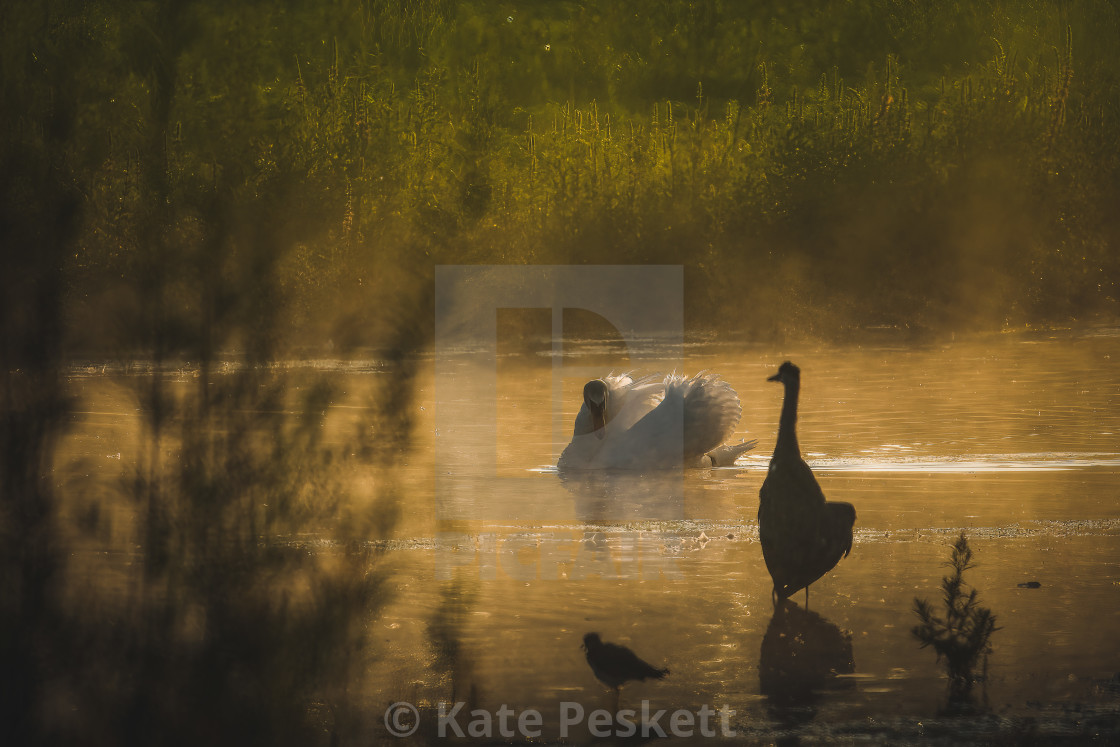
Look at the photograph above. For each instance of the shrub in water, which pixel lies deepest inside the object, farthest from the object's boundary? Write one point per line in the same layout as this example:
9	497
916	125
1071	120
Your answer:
961	637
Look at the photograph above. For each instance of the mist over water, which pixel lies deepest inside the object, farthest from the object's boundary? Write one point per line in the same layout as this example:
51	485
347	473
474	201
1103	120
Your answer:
1012	440
1015	441
250	493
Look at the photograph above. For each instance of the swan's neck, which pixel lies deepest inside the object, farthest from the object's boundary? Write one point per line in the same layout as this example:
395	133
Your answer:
787	426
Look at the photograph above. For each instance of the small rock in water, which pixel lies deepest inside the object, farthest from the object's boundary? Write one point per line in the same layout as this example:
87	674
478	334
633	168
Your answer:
1030	585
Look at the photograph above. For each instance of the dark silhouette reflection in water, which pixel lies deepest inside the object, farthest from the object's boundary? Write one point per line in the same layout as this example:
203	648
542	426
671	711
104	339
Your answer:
802	654
445	635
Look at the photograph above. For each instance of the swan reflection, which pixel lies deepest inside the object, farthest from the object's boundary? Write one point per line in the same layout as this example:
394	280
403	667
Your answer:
616	495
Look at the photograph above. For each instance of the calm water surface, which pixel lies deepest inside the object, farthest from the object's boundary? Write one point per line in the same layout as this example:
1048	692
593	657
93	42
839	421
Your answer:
1016	441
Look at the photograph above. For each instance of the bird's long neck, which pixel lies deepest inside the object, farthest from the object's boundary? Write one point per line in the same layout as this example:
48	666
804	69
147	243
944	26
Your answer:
787	427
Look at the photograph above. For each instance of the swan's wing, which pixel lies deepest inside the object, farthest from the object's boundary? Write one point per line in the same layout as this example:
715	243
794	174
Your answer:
630	400
695	416
657	421
711	411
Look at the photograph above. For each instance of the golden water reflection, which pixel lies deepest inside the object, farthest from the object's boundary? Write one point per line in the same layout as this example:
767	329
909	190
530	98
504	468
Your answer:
1016	441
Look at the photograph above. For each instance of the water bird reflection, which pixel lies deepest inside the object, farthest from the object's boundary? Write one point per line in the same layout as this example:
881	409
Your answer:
655	422
803	536
802	655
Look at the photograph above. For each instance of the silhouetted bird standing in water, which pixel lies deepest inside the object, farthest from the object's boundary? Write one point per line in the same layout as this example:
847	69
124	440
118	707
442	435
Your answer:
616	665
803	535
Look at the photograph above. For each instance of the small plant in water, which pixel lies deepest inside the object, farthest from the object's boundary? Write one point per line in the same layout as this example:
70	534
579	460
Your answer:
962	636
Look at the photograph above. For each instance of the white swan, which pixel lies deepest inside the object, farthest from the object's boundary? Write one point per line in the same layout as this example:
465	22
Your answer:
655	422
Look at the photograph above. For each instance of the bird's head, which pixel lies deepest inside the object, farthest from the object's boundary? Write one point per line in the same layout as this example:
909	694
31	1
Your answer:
595	398
591	641
787	374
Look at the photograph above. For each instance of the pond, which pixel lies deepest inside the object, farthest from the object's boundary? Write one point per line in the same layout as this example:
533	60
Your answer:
1012	439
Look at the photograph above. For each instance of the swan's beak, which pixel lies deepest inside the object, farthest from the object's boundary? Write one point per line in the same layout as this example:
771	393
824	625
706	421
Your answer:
776	377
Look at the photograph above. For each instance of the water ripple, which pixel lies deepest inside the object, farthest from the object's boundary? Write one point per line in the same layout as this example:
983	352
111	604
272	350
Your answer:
970	463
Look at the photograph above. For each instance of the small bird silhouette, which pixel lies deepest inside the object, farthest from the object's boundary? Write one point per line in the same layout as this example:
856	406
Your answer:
616	665
803	535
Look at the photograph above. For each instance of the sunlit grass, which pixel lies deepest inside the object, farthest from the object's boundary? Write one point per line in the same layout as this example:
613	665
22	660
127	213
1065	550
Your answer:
971	194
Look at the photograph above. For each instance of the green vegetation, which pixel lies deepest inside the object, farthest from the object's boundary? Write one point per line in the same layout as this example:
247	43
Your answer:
180	604
185	180
816	167
962	638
